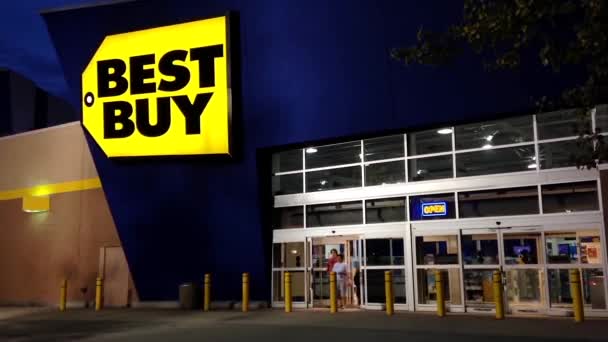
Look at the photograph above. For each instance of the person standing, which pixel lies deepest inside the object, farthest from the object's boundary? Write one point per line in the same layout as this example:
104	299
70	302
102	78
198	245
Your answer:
342	279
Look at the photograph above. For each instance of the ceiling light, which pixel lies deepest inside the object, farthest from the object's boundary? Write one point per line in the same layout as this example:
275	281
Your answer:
419	172
487	146
311	150
532	166
489	137
323	182
294	251
445	131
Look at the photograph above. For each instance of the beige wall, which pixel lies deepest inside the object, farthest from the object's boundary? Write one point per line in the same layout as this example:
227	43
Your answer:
39	250
53	155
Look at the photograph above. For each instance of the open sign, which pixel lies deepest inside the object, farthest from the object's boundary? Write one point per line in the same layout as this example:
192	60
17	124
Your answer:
434	209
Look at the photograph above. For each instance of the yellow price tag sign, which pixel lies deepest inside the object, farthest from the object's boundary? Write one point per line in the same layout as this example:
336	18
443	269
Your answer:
161	91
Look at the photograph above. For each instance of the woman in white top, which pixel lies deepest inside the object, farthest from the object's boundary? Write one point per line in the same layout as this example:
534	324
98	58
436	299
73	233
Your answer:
341	277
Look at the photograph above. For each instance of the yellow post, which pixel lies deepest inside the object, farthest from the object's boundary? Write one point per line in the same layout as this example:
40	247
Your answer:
207	293
498	299
245	304
577	297
99	294
440	296
63	295
333	298
388	290
288	299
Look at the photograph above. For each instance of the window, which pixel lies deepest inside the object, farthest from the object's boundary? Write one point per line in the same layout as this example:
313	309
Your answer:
385	210
592	287
561	248
521	248
384	252
426	142
601	118
384	148
559	124
437	250
432	207
429	168
338	154
385	173
478	287
570	197
333	179
493	161
494	133
289	217
590	247
480	249
288	255
502	202
523	286
287	161
376	290
557	154
334	214
287	184
427	289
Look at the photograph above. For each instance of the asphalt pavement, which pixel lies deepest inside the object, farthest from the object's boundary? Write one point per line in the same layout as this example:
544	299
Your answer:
273	325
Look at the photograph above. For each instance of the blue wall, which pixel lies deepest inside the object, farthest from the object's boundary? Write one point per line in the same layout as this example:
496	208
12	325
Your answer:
311	70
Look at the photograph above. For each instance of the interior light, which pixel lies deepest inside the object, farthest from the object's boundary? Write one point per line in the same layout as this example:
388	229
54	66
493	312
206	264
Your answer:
489	137
534	158
294	251
487	146
445	131
311	150
419	172
323	182
532	166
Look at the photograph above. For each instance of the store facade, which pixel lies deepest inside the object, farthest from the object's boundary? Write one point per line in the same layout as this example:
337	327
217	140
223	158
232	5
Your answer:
467	200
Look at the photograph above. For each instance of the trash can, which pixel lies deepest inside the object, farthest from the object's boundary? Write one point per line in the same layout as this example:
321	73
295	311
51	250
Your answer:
189	296
596	285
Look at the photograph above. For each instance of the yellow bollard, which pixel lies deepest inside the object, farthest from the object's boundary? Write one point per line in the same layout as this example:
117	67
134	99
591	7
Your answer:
288	299
333	298
498	295
207	293
440	295
388	290
245	304
99	294
63	295
577	297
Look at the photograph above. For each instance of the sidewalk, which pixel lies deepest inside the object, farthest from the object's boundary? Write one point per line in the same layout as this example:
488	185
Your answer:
175	326
12	312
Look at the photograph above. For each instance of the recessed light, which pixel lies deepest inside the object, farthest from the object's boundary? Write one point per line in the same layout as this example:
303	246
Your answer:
532	166
487	146
311	150
489	137
445	131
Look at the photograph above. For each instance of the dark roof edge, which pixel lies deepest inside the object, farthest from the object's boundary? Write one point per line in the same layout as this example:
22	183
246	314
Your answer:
94	3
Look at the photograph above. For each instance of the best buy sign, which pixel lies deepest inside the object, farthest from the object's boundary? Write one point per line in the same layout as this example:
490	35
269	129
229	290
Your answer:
161	91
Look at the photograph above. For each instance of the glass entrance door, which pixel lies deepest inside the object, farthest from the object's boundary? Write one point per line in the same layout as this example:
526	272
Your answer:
480	258
518	254
523	266
323	253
